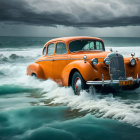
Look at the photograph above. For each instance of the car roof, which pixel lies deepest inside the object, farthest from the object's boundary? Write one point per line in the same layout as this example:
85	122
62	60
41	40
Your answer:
67	39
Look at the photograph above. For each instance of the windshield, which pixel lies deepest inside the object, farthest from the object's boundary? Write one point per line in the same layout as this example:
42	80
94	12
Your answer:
81	45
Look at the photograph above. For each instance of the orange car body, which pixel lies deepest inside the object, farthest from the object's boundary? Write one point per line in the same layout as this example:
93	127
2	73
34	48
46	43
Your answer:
60	67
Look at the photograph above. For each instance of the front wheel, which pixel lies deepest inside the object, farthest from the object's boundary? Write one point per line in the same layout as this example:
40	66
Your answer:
78	83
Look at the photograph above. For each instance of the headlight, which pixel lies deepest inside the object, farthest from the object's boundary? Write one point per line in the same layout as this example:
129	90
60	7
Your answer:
94	61
107	61
133	62
84	57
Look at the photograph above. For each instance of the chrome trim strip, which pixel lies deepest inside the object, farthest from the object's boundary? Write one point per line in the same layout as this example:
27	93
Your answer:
44	60
107	82
48	57
64	59
111	82
61	59
101	57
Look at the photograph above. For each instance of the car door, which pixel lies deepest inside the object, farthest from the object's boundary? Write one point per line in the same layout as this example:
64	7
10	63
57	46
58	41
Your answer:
60	61
48	61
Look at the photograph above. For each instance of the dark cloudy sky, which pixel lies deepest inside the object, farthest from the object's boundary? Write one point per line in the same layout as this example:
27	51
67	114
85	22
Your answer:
70	17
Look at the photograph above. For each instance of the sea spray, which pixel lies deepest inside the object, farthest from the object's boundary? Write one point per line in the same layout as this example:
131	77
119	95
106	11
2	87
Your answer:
31	108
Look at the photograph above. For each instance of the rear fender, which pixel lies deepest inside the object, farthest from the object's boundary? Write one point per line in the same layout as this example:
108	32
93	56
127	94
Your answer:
36	69
85	68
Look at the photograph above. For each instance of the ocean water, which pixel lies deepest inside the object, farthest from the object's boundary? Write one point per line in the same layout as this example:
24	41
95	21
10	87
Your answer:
35	109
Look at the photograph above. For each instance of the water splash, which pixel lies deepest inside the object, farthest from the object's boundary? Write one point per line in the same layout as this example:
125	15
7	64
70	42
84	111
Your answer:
119	107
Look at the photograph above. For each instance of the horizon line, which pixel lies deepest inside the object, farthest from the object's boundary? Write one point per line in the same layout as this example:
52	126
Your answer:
72	35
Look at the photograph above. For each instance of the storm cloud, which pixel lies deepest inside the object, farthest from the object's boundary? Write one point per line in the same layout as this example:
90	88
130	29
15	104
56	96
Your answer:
76	13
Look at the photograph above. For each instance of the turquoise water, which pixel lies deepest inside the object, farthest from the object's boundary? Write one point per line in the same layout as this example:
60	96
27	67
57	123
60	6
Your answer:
35	109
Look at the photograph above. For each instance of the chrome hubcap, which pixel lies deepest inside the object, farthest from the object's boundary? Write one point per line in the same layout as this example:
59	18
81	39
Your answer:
78	85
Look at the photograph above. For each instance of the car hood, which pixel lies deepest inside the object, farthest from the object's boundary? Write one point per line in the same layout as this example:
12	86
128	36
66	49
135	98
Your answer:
90	54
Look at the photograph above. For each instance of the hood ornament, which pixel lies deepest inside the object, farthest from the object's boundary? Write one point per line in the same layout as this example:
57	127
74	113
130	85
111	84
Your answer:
132	54
117	53
111	49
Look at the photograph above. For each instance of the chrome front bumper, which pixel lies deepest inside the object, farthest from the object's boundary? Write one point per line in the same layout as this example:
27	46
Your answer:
128	82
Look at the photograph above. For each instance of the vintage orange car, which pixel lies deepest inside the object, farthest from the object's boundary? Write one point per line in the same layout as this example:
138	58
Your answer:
82	62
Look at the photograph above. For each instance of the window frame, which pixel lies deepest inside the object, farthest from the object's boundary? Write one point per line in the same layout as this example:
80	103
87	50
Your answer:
47	49
86	50
43	51
56	48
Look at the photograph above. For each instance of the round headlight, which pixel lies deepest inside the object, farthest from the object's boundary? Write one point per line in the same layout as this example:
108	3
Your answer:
94	61
133	62
84	57
107	61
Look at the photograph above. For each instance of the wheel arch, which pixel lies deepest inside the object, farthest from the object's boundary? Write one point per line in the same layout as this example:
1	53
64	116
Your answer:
71	74
85	69
35	69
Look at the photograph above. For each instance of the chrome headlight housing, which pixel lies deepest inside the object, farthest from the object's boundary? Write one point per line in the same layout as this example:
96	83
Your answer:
84	57
133	62
107	61
94	61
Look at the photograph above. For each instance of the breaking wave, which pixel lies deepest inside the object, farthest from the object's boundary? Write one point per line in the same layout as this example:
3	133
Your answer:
16	56
124	107
13	58
104	106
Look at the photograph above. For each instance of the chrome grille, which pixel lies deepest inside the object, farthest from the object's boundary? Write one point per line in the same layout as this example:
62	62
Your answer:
117	69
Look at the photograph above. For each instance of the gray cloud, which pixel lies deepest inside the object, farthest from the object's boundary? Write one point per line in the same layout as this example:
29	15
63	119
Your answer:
77	13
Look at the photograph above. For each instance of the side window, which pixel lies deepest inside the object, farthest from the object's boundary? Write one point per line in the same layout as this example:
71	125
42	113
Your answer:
44	51
50	49
89	46
99	45
61	48
86	47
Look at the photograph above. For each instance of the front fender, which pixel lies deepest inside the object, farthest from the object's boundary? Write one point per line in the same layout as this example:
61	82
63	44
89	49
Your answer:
85	68
37	69
132	71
